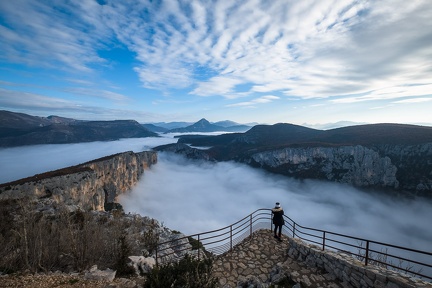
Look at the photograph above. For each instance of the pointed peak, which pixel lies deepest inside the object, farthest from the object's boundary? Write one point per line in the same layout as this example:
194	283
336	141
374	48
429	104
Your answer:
203	121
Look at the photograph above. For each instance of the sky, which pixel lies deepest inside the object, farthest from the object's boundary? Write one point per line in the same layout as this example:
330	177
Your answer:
247	61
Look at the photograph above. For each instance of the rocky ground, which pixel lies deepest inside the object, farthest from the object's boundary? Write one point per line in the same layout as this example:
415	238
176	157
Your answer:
51	280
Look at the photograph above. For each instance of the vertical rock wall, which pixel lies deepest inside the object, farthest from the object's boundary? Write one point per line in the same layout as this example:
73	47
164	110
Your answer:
355	165
90	185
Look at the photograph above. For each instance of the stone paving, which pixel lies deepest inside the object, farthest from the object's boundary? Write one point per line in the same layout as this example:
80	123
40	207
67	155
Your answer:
264	258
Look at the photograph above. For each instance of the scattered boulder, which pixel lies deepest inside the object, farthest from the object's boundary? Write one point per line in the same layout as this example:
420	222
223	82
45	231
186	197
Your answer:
141	264
95	274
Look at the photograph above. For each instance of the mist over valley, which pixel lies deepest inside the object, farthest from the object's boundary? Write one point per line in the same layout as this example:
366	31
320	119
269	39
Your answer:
194	196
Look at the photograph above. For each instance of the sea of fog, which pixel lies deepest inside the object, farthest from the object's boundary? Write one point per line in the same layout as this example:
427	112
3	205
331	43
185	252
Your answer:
194	196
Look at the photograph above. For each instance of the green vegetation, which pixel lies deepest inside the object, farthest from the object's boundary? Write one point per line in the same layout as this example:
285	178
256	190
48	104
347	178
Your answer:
188	272
67	241
195	243
73	281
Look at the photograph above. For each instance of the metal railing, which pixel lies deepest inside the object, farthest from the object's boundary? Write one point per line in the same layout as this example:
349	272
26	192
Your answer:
414	262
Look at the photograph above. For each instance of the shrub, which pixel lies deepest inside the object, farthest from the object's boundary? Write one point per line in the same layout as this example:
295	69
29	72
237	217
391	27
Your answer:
64	240
188	272
121	265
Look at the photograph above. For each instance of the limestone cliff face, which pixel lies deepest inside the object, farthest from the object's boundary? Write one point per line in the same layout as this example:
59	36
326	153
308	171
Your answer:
401	167
90	185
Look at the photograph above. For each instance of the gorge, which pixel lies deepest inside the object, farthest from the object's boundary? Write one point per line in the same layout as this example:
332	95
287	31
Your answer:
392	157
187	194
94	185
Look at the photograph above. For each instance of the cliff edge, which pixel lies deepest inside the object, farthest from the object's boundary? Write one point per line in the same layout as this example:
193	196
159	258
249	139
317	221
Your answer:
94	185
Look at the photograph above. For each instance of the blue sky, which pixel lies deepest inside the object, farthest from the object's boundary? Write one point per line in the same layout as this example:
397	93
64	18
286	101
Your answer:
247	61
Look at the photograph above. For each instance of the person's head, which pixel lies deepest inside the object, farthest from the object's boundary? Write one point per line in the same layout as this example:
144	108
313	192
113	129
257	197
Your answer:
277	205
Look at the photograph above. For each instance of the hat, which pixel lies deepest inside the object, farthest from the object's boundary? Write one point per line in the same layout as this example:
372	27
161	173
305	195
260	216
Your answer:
277	205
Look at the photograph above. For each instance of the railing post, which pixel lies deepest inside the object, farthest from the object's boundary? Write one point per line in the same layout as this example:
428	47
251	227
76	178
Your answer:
294	229
271	223
199	247
250	223
367	253
231	237
323	247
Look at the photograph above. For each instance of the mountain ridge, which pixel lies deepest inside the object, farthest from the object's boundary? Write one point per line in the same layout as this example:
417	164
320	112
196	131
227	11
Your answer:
396	157
203	125
291	134
19	129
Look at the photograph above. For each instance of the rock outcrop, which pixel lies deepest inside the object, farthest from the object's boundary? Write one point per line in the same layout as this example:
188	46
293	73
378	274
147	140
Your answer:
183	149
405	169
398	167
91	186
355	165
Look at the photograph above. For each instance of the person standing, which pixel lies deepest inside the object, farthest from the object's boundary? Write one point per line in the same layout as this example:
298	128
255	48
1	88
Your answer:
278	220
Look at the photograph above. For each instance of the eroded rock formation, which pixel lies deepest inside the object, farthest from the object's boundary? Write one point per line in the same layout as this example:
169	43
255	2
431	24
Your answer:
91	186
355	165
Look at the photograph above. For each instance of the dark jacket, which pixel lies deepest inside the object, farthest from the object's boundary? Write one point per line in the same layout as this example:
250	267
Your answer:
278	216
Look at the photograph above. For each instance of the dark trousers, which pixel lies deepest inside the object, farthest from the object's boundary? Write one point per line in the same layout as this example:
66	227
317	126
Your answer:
277	227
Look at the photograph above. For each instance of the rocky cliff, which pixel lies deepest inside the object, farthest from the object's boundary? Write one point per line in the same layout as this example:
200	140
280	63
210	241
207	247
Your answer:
394	157
92	186
406	168
356	165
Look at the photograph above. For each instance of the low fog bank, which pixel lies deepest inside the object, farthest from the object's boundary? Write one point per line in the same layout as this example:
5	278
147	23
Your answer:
193	196
25	161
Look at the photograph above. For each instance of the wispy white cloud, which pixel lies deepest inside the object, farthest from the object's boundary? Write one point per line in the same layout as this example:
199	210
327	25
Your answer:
252	103
390	93
413	100
25	100
41	105
217	86
98	93
304	49
50	34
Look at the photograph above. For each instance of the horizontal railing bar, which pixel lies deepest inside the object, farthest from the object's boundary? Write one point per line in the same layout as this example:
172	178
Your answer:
304	233
240	225
344	251
173	240
260	219
237	232
362	239
400	258
215	236
311	241
226	238
344	243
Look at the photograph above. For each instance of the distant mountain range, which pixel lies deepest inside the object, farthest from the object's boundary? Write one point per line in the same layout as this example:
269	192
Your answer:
385	156
390	156
338	124
202	125
282	134
18	129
